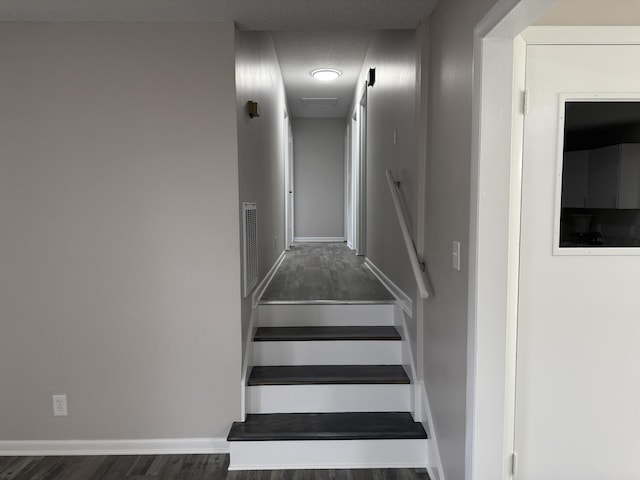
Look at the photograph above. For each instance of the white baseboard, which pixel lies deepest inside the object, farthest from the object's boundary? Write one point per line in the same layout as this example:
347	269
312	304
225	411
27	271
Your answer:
262	286
247	361
423	404
163	446
318	239
403	299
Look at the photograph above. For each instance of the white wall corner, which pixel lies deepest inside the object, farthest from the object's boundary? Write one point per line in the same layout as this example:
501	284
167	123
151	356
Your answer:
164	446
402	298
264	283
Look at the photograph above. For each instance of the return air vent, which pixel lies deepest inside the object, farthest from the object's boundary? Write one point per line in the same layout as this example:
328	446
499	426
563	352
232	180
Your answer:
250	239
319	102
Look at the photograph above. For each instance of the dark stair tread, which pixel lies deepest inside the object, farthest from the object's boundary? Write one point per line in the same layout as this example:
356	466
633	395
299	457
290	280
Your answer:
327	426
327	374
283	334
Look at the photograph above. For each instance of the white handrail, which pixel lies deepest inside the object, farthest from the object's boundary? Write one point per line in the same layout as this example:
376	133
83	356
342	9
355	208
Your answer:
408	242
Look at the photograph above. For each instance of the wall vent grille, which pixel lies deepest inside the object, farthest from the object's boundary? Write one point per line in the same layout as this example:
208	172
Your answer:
250	239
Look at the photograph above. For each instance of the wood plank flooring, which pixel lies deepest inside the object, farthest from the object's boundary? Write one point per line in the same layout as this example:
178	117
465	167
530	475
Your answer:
324	271
173	467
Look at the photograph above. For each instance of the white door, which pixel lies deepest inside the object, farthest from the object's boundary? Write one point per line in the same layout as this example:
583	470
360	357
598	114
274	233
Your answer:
578	352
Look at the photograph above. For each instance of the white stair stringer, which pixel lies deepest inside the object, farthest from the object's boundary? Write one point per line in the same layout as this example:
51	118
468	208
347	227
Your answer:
328	352
329	398
330	454
323	315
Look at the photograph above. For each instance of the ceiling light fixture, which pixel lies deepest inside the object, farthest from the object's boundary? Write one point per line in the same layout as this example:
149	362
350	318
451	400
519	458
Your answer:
326	74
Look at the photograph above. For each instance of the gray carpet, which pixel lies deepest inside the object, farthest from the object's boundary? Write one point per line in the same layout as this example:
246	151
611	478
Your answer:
324	271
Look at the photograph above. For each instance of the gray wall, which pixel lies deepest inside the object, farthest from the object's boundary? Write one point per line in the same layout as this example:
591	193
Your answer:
449	133
260	146
319	146
120	281
391	106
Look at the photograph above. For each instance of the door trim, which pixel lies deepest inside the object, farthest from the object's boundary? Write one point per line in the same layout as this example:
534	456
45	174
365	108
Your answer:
492	326
498	65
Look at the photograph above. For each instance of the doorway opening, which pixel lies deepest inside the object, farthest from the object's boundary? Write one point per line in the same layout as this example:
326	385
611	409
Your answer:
288	180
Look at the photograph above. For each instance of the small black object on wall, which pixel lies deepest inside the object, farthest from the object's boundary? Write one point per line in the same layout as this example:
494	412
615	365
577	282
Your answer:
253	108
371	79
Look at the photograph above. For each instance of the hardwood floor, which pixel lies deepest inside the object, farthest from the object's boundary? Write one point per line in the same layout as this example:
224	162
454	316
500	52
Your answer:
169	467
324	271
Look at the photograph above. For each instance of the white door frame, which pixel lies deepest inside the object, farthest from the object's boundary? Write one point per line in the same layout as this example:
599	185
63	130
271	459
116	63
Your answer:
348	186
499	56
499	62
361	160
355	155
287	146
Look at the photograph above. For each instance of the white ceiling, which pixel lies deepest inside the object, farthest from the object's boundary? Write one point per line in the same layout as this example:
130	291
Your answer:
593	12
308	34
301	52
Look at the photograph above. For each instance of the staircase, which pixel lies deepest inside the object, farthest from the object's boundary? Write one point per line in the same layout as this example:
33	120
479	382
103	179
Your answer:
327	388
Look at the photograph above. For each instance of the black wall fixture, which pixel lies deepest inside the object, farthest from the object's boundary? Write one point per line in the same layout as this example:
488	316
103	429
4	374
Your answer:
371	79
253	108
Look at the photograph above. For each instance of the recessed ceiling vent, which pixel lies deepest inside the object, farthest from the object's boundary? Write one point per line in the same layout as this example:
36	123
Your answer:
320	102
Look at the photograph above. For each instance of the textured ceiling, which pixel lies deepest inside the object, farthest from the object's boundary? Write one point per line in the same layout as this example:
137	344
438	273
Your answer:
301	52
308	34
248	14
593	12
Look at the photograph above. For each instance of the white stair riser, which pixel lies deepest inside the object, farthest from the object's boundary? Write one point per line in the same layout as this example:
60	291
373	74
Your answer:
322	454
328	398
325	315
328	353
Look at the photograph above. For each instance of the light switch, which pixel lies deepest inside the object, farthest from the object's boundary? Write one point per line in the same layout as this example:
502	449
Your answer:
456	256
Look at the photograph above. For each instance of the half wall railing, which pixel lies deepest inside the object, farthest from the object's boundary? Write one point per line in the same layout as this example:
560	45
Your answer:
417	267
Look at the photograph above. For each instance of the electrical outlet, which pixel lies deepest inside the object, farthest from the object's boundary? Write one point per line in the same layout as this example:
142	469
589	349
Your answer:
60	405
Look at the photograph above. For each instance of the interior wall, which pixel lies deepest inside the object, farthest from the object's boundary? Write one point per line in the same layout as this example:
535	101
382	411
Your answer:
450	87
120	282
391	113
318	153
261	147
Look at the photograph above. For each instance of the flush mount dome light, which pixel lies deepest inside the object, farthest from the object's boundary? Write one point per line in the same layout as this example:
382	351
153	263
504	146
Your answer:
326	74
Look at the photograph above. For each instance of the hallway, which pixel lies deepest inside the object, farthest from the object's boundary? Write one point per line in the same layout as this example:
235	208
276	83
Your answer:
324	272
